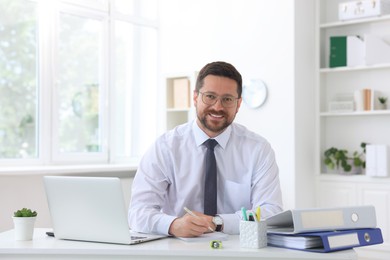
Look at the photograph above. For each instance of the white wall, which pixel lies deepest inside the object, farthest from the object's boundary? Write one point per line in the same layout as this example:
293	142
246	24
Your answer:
258	37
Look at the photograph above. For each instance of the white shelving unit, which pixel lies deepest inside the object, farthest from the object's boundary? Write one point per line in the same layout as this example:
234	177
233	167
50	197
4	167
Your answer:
179	115
348	130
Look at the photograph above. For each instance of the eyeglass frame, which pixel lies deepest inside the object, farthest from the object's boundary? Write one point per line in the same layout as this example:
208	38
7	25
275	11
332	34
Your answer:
220	98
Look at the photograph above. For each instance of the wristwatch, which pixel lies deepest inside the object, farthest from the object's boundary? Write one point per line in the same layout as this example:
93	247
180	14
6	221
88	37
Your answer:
218	222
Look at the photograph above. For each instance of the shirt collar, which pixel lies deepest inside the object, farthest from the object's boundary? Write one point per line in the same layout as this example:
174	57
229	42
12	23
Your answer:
201	137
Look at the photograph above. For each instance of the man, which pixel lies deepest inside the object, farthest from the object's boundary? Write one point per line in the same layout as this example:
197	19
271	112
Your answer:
174	172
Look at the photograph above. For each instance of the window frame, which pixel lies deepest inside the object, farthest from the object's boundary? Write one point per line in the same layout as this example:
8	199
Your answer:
47	106
91	157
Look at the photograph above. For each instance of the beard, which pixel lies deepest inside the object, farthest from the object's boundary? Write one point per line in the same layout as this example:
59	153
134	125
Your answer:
208	124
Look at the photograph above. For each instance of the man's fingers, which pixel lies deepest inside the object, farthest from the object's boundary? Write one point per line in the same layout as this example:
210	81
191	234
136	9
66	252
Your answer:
202	220
188	226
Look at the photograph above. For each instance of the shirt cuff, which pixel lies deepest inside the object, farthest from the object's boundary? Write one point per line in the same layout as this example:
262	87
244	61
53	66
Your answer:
231	223
164	223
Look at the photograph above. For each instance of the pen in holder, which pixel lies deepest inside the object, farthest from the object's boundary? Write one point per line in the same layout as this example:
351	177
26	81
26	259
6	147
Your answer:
253	234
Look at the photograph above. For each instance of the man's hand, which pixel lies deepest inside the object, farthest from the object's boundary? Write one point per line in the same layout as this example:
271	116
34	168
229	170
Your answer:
190	226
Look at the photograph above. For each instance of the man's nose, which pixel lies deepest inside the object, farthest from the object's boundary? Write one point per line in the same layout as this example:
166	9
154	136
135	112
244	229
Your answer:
218	105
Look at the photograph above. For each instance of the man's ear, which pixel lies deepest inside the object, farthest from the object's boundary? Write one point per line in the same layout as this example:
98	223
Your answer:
195	97
238	104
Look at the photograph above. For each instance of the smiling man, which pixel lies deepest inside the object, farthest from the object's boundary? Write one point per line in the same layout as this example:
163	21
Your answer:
210	165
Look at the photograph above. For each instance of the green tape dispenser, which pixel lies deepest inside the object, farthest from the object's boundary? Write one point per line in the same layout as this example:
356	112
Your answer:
216	244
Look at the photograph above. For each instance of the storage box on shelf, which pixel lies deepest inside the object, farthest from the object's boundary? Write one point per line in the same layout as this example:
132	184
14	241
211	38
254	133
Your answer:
363	8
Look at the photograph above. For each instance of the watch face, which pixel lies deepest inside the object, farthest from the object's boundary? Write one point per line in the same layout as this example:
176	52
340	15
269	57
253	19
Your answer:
217	220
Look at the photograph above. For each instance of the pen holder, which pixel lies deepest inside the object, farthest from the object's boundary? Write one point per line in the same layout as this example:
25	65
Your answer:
253	234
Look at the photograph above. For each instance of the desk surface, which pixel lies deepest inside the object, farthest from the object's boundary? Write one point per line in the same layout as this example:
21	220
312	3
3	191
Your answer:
44	247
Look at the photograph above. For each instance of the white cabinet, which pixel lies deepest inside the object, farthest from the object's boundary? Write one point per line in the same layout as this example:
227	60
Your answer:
340	191
328	190
179	94
348	129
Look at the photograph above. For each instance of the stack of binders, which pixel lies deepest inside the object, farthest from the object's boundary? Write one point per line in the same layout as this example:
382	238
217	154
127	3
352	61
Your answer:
358	50
324	229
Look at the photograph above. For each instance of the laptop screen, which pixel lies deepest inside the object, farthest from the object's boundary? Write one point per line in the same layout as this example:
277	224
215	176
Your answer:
89	209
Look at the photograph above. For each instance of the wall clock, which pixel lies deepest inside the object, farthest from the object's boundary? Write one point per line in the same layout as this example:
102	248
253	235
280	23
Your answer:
254	93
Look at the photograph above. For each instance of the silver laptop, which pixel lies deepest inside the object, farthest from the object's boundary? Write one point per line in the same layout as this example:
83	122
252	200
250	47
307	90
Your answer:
90	209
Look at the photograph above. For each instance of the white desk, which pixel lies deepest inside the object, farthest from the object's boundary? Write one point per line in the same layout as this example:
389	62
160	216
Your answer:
44	247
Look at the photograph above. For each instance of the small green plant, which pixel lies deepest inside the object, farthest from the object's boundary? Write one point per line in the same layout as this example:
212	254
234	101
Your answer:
334	158
24	212
382	100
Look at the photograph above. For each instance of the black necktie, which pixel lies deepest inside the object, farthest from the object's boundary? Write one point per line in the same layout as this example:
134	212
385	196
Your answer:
210	187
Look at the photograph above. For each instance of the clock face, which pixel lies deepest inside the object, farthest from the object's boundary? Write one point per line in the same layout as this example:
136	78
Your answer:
254	93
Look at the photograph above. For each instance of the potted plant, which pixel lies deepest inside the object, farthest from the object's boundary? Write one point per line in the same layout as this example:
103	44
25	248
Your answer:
24	220
340	160
382	102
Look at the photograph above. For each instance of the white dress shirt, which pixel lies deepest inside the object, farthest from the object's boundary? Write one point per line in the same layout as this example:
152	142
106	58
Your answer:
171	176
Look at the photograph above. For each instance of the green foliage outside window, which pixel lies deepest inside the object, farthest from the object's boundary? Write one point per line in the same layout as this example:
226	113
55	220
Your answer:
18	79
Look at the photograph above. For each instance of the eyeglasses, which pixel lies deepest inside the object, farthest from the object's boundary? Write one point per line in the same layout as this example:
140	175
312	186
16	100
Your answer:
227	101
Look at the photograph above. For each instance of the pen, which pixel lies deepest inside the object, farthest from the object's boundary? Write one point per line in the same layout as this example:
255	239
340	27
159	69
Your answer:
243	210
193	214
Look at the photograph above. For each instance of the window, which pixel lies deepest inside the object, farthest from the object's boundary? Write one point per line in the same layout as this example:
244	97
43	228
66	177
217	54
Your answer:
18	80
77	80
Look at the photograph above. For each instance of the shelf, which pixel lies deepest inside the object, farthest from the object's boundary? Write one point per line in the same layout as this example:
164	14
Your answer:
353	22
357	68
355	113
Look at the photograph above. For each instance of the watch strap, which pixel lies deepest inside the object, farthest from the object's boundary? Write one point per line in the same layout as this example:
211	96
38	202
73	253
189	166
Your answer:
218	228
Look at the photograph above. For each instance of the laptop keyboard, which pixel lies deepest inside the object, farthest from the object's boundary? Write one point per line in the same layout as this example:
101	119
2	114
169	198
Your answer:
137	237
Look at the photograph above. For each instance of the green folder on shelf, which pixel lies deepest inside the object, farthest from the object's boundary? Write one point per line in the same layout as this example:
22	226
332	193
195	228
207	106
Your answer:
338	51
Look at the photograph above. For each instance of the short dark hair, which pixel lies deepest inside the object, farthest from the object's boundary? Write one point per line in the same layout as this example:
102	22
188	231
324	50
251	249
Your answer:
219	68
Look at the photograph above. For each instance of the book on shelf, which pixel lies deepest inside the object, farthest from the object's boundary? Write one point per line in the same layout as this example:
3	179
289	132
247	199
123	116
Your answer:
341	103
346	51
338	51
365	99
377	49
181	93
359	100
356	50
377	160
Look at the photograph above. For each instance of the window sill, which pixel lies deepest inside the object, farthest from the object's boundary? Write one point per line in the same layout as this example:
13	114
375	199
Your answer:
120	170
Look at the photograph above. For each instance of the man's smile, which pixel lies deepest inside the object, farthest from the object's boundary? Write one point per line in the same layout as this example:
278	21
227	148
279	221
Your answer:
216	115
